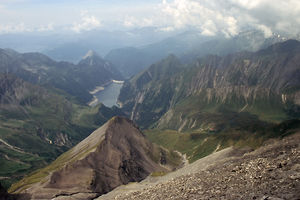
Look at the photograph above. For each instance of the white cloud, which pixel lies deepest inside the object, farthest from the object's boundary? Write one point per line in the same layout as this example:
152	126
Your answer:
230	16
209	28
48	27
247	4
210	17
131	22
14	28
204	15
270	15
167	29
22	27
87	22
266	30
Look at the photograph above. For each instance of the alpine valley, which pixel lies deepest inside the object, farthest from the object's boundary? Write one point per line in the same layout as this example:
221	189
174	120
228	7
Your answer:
42	112
199	117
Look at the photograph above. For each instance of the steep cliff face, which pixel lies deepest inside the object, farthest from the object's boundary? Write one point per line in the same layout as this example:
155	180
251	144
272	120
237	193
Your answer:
116	153
147	95
265	83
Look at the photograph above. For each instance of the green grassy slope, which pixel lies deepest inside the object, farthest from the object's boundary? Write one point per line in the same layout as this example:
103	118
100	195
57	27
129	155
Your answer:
198	144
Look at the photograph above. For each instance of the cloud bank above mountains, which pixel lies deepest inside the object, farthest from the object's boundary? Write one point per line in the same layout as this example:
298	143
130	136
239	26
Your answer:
230	16
210	17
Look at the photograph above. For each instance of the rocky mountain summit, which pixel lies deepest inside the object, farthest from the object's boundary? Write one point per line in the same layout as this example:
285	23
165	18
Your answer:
270	172
117	153
93	71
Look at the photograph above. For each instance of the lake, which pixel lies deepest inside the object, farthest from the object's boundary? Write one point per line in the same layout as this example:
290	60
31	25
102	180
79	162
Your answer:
109	95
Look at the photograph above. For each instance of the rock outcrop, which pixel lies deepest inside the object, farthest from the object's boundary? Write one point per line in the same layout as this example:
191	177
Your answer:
271	172
117	153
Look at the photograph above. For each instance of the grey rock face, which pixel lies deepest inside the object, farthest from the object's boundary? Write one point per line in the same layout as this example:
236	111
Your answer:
117	153
270	172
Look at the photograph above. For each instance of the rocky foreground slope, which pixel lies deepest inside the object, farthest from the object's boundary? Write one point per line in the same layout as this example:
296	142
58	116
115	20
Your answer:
270	172
117	153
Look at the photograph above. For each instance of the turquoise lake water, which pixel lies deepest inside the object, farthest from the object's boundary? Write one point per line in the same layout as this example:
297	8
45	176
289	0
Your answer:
109	95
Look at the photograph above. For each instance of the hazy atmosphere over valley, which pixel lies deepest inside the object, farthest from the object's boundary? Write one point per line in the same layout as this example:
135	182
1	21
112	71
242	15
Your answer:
158	99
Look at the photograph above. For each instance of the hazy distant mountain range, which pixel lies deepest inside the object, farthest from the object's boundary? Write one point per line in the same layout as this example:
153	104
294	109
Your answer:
71	47
187	46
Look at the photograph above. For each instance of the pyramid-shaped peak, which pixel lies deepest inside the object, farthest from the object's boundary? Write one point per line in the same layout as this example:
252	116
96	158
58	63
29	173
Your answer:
91	58
115	154
91	54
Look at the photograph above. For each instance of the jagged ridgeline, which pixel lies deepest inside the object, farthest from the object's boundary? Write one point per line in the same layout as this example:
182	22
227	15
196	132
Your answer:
187	46
117	153
238	100
214	92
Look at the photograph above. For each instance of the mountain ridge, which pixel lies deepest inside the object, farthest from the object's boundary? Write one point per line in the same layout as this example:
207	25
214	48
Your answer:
237	82
116	153
187	46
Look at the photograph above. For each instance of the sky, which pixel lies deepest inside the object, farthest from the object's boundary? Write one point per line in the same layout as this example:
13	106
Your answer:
210	17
